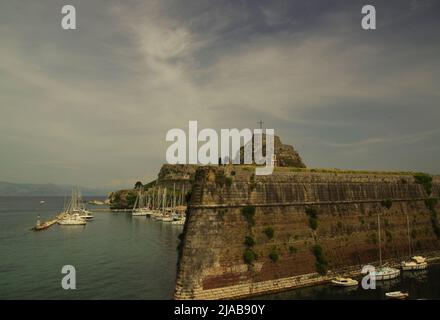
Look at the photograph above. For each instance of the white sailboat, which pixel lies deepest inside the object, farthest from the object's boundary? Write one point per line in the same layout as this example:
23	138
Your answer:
383	272
72	214
72	220
139	208
82	211
416	262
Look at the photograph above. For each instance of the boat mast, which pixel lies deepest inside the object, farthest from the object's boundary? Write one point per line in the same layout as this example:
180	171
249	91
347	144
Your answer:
380	246
164	202
409	235
174	195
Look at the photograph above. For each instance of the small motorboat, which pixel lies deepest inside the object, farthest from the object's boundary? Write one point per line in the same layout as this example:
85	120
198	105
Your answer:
140	212
397	295
344	282
179	222
416	263
385	273
167	219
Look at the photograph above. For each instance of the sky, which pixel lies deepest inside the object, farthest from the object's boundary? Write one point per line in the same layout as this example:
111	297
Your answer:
92	106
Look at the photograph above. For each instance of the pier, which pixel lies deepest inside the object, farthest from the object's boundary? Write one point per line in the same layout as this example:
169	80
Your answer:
47	224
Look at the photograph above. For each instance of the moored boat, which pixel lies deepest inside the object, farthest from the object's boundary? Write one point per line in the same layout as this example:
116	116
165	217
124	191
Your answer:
397	295
416	263
385	273
344	282
72	220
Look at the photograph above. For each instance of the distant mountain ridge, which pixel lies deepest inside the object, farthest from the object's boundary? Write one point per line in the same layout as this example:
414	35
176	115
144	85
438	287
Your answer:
48	189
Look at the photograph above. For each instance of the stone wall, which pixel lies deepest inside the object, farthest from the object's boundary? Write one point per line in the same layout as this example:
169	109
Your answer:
211	262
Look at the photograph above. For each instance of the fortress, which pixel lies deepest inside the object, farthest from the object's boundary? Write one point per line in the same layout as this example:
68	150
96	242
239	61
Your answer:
262	234
248	235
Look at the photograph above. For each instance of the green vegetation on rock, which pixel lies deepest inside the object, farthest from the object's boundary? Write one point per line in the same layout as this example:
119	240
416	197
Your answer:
131	199
249	256
430	204
321	261
273	255
386	203
249	241
248	212
269	232
313	217
293	250
425	180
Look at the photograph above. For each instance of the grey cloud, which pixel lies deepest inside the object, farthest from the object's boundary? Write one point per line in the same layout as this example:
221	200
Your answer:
93	106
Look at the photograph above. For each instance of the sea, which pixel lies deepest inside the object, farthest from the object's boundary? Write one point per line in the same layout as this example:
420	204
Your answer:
117	256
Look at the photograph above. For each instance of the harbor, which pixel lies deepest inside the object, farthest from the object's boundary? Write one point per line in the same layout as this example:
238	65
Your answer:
114	243
102	251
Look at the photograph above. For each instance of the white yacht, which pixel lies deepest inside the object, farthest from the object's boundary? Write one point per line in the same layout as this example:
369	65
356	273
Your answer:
416	262
140	207
383	272
86	215
72	220
75	212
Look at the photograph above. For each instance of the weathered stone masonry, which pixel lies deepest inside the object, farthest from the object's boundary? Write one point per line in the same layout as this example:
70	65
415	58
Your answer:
211	264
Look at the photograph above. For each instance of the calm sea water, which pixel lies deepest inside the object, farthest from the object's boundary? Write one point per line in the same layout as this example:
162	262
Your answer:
117	256
423	284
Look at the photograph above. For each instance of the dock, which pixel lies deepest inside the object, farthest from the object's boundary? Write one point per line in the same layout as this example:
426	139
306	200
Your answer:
47	224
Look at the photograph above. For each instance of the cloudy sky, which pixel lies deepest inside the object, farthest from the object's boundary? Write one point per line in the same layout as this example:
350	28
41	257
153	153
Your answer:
92	106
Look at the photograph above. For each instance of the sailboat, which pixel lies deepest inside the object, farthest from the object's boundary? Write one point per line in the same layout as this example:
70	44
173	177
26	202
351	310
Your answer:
72	213
139	208
416	262
81	208
383	272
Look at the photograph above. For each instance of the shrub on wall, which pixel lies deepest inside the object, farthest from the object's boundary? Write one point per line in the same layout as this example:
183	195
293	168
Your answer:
293	249
273	255
386	203
425	180
313	217
248	212
321	261
249	241
269	232
430	204
249	256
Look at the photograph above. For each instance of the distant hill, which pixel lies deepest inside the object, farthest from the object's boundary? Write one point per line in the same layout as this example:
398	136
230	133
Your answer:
49	189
